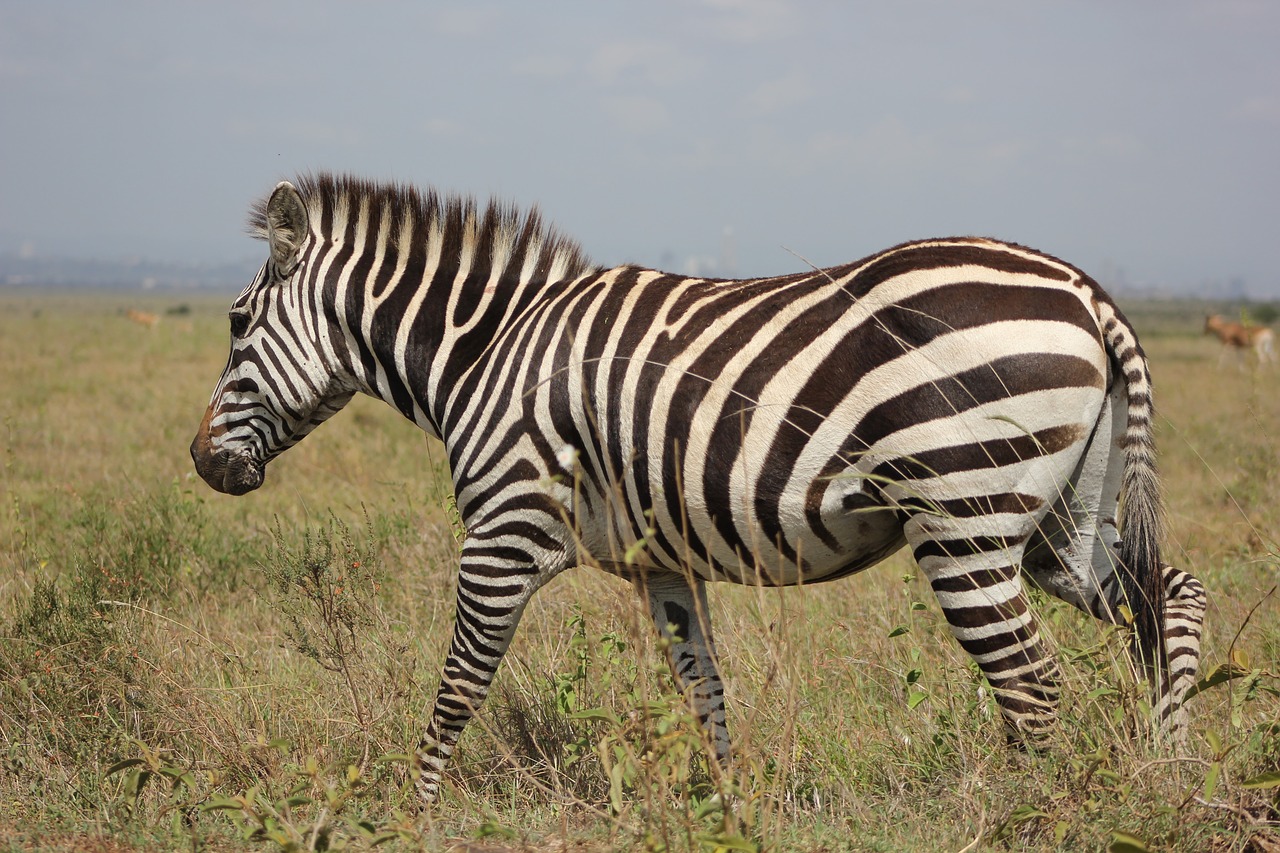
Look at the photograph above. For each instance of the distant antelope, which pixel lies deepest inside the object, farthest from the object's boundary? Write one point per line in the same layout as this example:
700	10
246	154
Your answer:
143	318
1238	337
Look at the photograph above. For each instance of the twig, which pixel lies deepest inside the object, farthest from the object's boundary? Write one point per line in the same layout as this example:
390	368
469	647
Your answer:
1231	648
1183	760
977	838
1244	813
139	607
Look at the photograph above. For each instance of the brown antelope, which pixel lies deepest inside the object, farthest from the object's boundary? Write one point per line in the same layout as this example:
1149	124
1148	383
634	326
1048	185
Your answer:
143	318
1238	337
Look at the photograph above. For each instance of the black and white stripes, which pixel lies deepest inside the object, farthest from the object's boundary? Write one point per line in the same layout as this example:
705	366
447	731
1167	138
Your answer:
981	402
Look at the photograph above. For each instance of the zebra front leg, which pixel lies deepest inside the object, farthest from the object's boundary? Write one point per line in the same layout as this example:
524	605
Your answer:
494	585
679	609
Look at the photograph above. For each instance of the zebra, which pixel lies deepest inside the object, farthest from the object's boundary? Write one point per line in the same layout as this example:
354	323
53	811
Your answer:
985	404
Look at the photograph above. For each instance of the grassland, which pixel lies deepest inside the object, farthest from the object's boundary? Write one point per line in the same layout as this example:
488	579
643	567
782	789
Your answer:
185	670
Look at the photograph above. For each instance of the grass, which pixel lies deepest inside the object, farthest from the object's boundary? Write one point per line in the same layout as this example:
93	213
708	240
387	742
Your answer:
182	669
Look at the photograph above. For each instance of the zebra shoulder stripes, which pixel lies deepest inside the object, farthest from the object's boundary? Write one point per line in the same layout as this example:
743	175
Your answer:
985	404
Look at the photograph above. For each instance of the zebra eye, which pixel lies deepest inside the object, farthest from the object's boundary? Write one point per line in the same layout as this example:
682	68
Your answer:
239	324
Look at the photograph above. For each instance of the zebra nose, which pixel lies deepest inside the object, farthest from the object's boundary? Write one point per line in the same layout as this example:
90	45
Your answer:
202	454
209	465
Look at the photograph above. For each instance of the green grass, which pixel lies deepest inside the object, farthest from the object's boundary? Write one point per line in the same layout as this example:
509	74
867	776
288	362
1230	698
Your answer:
182	669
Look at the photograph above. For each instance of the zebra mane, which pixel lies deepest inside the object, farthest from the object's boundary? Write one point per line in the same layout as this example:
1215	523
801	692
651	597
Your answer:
493	239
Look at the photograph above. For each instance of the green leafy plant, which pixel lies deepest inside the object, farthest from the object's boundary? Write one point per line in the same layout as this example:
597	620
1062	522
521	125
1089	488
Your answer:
327	587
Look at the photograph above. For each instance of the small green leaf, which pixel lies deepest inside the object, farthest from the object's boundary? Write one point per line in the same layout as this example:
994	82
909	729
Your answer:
597	715
915	698
727	841
1211	780
492	829
899	631
123	765
1215	742
1025	812
1270	779
616	799
135	781
711	805
1123	842
281	838
1221	674
223	803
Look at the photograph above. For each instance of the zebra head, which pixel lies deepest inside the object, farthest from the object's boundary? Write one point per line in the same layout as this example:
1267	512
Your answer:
281	381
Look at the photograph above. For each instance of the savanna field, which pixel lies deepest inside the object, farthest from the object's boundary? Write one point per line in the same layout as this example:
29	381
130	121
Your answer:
183	670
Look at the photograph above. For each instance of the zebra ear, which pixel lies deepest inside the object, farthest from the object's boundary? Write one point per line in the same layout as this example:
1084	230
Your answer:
286	224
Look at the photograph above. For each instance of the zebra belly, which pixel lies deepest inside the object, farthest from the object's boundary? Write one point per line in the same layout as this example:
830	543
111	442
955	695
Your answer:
864	536
858	533
865	541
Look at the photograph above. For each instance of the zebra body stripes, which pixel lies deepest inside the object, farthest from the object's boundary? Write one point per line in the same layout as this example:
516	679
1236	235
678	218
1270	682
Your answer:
983	403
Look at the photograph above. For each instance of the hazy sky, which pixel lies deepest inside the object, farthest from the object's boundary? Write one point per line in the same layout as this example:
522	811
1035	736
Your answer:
1135	139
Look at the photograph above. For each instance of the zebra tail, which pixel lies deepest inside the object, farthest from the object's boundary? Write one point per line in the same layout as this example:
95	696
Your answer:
1141	512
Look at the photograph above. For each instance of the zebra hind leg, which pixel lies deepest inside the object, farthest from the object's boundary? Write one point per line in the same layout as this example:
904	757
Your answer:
1185	604
679	610
1056	560
978	584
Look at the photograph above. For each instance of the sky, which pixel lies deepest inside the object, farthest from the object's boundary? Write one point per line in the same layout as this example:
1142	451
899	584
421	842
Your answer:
1138	140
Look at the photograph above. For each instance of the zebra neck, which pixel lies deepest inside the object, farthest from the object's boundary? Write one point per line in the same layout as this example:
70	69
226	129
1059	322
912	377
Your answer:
479	309
412	338
417	284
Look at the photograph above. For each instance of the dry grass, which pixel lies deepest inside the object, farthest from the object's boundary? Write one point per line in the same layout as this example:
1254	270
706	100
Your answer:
212	674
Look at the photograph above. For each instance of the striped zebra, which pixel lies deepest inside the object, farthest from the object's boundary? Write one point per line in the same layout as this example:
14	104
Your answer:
985	404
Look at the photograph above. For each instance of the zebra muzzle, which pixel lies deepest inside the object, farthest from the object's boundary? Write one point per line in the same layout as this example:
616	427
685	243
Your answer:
226	472
242	474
